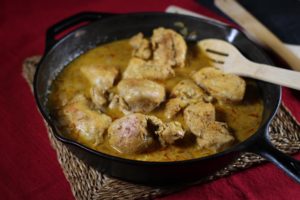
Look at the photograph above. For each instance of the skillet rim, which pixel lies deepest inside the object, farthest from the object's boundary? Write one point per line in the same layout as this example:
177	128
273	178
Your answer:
236	148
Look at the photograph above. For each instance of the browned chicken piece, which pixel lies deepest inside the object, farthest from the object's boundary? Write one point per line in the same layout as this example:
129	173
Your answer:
187	89
174	106
87	125
196	116
141	47
101	78
170	132
141	69
227	87
212	135
169	47
134	133
141	95
130	134
184	93
216	137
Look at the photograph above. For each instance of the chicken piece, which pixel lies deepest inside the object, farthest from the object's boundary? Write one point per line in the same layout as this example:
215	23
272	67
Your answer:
187	89
141	47
97	97
101	79
101	76
186	92
141	69
216	137
170	132
141	95
227	87
212	135
196	116
130	134
118	103
169	47
174	106
88	125
167	133
134	133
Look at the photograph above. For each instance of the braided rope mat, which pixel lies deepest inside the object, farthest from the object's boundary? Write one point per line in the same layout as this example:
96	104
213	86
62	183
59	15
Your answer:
87	183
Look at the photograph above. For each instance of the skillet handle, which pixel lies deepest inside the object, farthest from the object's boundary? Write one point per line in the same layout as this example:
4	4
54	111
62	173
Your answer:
70	22
288	164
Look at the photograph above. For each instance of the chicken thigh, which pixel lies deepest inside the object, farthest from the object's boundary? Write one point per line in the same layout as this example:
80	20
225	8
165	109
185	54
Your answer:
196	116
141	95
212	135
216	137
174	106
227	87
187	89
134	133
141	69
155	60
184	93
87	125
141	47
130	134
170	132
101	78
169	47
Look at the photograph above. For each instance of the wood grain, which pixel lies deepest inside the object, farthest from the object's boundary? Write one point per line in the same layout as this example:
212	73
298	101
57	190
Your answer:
257	30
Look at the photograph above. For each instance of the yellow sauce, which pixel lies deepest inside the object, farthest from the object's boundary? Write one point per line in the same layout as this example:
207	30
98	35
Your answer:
242	118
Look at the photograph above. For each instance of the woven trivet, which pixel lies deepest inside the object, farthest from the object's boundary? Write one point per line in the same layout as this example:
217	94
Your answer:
87	183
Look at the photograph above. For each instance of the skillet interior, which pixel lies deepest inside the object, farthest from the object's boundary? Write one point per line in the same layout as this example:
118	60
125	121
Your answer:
124	26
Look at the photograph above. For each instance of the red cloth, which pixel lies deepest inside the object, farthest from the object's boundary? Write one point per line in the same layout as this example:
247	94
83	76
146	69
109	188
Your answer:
28	165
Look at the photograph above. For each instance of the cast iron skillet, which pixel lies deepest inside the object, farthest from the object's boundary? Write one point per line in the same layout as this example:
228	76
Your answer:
102	28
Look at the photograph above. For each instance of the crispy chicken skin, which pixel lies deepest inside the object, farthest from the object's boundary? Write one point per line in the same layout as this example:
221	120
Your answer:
226	87
184	93
213	135
134	133
141	95
101	78
155	60
89	125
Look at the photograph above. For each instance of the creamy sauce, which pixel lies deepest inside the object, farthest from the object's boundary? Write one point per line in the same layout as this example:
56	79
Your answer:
242	118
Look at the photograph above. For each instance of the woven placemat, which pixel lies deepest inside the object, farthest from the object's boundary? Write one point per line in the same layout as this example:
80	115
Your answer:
87	183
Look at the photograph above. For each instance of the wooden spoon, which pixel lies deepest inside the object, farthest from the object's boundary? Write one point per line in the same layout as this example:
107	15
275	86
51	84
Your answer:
228	58
258	31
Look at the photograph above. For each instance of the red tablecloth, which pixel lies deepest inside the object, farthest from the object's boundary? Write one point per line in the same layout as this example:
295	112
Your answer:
28	165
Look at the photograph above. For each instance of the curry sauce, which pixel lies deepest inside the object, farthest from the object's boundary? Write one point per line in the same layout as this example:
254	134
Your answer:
243	118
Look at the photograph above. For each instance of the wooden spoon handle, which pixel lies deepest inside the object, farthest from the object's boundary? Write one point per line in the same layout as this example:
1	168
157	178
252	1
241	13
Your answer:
276	75
258	31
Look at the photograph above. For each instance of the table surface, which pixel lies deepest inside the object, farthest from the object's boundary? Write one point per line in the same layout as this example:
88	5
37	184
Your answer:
28	165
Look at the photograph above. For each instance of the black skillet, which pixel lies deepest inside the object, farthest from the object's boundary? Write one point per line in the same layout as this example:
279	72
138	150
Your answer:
101	28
